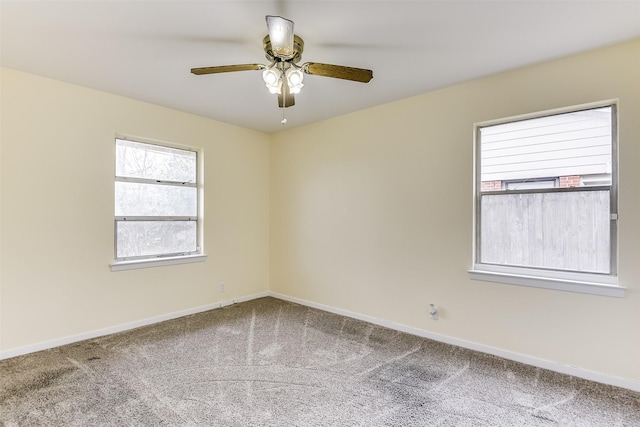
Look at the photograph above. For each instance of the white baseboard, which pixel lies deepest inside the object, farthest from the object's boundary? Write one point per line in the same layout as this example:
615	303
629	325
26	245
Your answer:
19	351
529	360
505	354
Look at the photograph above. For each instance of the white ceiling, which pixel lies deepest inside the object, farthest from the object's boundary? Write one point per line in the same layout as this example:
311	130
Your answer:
144	49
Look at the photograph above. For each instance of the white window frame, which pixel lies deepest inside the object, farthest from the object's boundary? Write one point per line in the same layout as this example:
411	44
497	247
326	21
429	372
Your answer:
589	283
145	261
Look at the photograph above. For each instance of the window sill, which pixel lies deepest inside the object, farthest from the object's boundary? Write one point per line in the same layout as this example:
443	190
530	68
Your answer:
560	284
156	262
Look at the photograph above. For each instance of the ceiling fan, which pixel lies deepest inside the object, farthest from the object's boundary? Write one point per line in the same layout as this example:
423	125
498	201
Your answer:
283	76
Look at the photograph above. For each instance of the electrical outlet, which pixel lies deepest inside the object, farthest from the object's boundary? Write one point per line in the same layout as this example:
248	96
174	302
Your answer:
221	286
433	311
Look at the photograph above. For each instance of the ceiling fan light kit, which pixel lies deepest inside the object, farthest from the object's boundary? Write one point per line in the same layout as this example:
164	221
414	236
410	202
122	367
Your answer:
283	76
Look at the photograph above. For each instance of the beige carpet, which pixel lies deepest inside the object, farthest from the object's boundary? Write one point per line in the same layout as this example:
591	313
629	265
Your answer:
273	363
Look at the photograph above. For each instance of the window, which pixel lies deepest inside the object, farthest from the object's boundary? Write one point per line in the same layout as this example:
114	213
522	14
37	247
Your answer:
545	199
156	202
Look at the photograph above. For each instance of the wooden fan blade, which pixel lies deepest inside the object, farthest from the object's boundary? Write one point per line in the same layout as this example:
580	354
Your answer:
286	99
338	72
227	68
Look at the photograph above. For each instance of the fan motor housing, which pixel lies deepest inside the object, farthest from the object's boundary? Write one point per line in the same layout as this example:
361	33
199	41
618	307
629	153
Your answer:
298	47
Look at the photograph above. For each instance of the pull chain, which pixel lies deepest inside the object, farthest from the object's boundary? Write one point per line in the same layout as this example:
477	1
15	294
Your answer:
284	82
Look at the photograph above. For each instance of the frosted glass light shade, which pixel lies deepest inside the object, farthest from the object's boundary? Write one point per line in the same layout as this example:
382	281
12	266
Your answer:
294	80
270	77
281	36
294	76
272	80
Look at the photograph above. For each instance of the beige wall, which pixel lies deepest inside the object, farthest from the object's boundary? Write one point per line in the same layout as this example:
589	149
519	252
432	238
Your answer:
372	213
58	148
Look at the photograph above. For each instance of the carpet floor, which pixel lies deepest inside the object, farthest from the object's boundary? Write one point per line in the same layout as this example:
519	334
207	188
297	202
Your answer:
269	362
